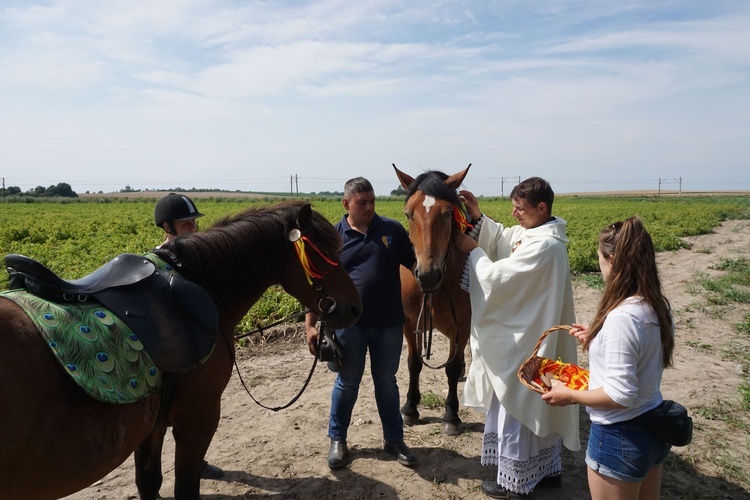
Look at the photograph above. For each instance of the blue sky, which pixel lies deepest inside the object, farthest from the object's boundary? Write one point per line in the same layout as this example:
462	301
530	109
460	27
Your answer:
592	96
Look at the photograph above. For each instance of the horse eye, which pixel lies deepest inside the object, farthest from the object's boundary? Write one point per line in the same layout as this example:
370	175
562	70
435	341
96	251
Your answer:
408	215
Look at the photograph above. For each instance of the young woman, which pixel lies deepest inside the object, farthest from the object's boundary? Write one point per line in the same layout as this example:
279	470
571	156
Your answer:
630	342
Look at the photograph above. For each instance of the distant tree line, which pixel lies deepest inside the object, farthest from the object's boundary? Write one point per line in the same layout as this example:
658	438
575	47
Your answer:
62	190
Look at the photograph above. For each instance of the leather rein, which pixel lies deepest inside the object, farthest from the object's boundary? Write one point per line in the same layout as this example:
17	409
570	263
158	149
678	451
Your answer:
326	304
424	322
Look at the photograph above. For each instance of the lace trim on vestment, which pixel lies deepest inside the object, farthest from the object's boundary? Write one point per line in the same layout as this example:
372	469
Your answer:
521	476
466	275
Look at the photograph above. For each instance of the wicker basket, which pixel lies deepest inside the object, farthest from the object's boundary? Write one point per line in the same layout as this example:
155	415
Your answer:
530	368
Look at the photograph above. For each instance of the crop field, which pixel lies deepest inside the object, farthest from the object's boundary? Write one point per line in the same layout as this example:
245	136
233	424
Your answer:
75	238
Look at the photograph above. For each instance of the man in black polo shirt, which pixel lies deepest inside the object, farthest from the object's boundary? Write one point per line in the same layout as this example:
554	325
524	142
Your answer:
374	250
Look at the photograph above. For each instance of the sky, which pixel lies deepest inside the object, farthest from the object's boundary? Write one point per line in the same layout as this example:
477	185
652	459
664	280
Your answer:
299	96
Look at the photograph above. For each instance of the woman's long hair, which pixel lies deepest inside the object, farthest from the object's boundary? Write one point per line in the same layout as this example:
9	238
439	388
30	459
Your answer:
631	251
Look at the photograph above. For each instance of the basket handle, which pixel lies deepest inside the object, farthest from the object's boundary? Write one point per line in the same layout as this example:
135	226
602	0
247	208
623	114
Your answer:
547	332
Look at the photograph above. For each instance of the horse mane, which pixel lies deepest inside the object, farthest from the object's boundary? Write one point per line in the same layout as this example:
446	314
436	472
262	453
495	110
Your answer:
248	249
431	184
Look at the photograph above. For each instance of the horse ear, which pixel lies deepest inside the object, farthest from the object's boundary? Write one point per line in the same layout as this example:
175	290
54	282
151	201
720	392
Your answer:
455	180
304	217
405	179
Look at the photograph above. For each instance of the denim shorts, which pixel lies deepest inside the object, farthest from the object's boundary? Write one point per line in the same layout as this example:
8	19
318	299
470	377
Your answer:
624	451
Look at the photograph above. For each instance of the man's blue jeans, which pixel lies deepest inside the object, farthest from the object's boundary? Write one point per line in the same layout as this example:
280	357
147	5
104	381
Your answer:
385	346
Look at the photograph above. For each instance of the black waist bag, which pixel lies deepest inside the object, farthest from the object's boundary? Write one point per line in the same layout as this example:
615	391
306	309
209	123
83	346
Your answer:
669	422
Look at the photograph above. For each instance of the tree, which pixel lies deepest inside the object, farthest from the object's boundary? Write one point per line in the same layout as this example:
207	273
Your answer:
62	189
399	191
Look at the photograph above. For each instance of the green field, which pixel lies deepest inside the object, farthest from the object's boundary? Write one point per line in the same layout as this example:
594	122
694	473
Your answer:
77	237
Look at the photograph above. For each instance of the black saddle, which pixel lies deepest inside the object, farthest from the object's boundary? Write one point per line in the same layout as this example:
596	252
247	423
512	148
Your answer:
125	269
175	319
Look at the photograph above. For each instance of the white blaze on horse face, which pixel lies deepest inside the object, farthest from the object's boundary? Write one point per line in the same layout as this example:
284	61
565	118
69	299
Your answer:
428	202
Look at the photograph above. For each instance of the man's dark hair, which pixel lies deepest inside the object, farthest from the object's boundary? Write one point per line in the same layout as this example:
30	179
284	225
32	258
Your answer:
357	185
534	190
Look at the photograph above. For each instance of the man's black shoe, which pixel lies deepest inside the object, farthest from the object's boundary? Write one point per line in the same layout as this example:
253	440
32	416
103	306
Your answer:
337	454
551	481
494	490
209	471
403	454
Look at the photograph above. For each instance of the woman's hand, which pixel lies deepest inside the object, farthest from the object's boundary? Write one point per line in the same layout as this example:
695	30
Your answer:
559	394
580	332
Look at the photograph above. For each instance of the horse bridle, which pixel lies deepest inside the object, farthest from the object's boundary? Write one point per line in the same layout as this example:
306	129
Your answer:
314	277
425	320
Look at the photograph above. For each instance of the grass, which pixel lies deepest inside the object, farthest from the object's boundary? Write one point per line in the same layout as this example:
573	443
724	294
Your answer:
727	287
744	325
731	287
701	346
592	280
431	400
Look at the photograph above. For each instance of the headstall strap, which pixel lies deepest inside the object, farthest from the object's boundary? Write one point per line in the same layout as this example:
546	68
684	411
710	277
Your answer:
424	321
176	262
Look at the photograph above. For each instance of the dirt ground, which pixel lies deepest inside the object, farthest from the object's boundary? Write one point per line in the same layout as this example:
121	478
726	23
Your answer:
283	454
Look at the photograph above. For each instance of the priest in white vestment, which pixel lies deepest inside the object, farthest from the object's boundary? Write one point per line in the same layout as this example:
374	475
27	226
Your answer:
519	282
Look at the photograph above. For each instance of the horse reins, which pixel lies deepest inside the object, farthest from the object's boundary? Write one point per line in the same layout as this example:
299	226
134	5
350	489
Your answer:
426	322
426	326
314	278
426	319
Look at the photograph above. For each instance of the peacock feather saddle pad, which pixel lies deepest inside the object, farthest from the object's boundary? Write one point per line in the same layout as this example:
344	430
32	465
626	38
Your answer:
96	348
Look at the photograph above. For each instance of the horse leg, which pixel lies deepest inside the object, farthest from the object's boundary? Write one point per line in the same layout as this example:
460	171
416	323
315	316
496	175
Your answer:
192	438
148	475
451	421
409	411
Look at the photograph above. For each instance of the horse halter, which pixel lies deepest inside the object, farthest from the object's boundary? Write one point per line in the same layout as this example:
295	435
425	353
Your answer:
424	321
314	277
326	303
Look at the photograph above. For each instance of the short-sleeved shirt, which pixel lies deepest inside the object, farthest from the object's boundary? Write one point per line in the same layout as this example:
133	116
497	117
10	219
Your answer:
373	261
625	359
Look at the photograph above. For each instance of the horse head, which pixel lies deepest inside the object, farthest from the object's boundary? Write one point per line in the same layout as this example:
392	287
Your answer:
432	208
317	277
288	244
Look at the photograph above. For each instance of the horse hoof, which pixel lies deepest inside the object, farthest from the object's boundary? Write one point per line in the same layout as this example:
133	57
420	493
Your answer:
410	419
451	429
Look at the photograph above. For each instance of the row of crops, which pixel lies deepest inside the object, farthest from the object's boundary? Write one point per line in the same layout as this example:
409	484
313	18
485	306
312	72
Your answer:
74	239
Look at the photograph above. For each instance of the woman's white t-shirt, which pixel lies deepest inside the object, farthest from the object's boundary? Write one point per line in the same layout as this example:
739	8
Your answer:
625	358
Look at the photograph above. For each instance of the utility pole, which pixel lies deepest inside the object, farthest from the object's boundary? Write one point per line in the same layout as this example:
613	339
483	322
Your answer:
678	180
502	184
3	187
293	184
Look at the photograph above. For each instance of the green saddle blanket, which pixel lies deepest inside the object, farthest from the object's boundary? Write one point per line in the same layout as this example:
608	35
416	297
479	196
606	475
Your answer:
97	349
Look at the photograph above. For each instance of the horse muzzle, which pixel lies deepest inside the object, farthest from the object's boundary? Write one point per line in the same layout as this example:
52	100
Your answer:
430	280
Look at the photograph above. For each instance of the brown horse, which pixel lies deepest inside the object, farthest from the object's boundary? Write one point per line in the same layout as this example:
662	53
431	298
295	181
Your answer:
431	204
55	440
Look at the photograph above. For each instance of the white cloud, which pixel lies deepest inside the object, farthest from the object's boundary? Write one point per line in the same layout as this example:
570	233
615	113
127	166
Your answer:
141	92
